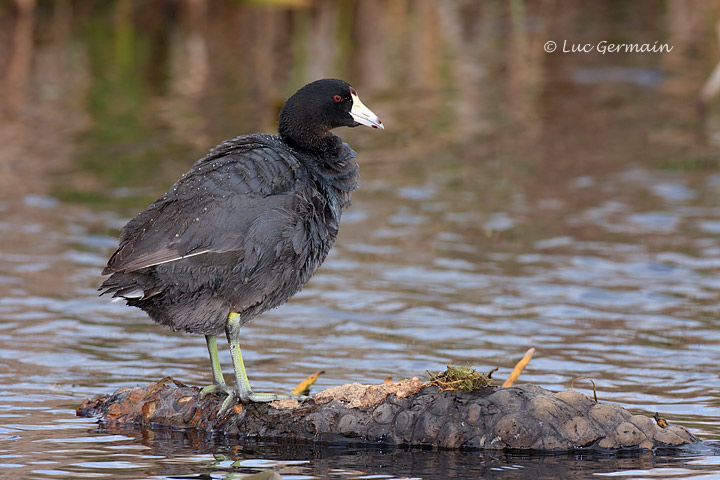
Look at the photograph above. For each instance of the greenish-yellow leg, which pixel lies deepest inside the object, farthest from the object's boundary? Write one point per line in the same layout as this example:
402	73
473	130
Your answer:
243	392
218	379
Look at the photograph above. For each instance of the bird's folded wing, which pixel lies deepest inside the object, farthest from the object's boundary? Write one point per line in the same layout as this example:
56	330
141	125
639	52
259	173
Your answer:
214	208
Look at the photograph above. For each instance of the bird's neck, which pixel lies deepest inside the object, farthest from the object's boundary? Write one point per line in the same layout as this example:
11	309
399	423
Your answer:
334	167
316	140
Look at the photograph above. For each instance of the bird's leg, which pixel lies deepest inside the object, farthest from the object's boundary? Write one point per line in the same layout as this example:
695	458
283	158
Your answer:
243	392
218	384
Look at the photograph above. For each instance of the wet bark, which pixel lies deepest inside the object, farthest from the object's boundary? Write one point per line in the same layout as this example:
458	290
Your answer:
403	413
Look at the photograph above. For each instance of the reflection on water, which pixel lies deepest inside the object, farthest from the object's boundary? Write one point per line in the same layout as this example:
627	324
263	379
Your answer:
516	199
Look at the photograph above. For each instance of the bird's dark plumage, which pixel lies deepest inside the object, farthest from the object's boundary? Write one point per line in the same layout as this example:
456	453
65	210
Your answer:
247	226
242	232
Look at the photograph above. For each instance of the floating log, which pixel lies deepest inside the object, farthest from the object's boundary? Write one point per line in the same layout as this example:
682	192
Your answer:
408	412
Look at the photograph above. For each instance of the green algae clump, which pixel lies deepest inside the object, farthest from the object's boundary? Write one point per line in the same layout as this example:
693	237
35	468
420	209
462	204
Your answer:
464	379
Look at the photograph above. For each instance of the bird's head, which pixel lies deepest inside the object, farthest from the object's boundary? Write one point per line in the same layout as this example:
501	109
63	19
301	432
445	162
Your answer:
318	107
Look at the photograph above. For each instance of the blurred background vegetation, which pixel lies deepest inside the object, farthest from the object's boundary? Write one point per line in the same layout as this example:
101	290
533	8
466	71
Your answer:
99	96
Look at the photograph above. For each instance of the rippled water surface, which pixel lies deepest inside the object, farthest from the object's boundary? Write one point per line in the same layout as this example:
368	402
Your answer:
516	199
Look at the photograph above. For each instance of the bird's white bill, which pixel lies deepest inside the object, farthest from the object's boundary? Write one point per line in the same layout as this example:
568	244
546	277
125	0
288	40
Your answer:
364	115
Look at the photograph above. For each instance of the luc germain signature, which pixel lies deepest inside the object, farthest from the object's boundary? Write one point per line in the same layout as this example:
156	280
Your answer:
604	47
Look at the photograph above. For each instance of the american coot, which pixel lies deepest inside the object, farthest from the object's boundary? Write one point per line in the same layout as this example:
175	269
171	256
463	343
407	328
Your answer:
245	228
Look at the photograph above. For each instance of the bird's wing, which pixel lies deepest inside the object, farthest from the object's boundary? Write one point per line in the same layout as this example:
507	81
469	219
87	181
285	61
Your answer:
225	197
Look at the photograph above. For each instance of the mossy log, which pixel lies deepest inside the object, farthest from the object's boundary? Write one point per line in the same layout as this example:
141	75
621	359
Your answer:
408	412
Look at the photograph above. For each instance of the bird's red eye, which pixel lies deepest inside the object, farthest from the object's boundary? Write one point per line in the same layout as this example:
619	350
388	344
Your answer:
337	98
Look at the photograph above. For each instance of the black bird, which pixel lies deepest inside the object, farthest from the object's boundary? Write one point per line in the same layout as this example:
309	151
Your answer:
245	228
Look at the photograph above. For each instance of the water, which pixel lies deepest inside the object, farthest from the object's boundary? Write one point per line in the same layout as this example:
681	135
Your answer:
567	202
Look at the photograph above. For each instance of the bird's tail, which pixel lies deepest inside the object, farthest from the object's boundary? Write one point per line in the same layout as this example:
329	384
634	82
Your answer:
129	286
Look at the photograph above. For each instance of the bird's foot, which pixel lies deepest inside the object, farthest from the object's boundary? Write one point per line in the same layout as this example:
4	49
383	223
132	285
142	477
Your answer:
271	397
215	388
248	397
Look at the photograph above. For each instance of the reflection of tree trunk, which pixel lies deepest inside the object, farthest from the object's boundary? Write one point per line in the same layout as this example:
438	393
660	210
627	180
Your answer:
42	91
687	26
712	85
369	56
18	66
322	36
525	61
469	66
395	41
689	31
190	77
262	33
685	19
189	71
424	45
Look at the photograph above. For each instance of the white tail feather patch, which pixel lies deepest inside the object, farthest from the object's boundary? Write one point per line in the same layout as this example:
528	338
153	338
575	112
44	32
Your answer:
137	293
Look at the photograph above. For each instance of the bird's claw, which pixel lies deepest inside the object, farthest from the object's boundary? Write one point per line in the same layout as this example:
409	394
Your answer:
226	404
272	397
215	388
249	397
